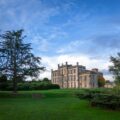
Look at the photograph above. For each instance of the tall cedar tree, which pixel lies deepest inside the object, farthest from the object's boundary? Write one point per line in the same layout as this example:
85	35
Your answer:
16	59
115	69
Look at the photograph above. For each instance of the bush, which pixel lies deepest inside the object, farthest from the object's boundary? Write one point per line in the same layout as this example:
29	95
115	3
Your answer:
31	85
24	86
9	87
37	86
87	94
106	101
101	98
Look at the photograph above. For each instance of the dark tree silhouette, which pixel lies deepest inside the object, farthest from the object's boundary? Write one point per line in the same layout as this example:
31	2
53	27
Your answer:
16	59
46	80
115	68
3	82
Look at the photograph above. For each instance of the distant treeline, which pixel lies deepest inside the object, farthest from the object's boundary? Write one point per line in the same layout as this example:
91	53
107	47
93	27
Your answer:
44	84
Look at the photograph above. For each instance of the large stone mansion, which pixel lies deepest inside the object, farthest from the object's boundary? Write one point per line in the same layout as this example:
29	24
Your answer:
69	76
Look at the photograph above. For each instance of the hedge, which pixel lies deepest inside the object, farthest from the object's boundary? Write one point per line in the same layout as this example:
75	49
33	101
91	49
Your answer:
106	100
32	86
99	99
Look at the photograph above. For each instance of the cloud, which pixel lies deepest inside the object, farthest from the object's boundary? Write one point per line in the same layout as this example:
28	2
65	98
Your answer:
97	45
107	41
16	14
52	62
72	47
40	43
46	42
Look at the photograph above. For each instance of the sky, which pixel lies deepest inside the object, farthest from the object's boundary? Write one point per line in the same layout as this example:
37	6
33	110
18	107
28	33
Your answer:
84	31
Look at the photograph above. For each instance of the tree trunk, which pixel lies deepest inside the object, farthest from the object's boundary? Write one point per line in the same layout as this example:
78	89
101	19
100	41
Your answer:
14	83
14	72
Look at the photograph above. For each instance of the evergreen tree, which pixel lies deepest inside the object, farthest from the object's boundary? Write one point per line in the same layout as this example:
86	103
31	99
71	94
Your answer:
115	68
16	59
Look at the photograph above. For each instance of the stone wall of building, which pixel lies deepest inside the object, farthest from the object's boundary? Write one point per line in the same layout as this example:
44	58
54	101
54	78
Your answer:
68	76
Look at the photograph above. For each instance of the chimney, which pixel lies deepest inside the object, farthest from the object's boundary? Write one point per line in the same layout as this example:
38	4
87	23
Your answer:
77	63
66	63
95	70
58	65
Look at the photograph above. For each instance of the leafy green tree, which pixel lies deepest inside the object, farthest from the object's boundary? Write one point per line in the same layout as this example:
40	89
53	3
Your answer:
115	68
16	59
107	81
101	81
46	80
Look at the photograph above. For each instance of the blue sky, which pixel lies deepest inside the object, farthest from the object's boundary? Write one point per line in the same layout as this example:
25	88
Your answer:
87	31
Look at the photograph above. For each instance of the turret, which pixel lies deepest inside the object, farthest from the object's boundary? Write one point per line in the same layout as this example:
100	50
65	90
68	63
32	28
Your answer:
58	65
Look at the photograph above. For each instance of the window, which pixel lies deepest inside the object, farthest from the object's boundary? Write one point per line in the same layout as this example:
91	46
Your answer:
61	71
69	71
53	80
74	77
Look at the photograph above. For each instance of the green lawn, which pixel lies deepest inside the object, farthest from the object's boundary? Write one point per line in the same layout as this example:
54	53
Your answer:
56	105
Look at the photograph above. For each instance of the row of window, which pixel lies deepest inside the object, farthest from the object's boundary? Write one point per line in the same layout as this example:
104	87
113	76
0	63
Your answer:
73	84
55	80
73	77
55	74
61	72
71	71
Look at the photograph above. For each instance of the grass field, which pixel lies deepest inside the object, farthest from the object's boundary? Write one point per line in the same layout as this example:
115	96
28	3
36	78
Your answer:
55	105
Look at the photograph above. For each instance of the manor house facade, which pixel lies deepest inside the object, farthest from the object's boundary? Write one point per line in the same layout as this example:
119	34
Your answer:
77	76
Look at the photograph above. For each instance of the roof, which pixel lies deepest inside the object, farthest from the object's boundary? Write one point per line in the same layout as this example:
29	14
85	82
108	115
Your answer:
89	72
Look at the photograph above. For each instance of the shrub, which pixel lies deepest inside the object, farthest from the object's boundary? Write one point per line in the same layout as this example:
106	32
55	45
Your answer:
106	101
24	86
87	94
37	86
9	87
101	98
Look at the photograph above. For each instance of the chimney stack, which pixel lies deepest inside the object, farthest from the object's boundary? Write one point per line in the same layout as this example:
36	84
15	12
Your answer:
95	70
